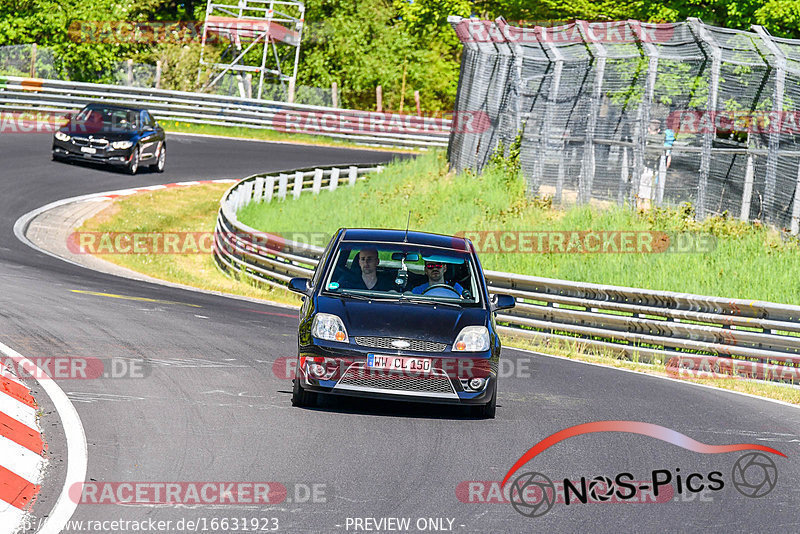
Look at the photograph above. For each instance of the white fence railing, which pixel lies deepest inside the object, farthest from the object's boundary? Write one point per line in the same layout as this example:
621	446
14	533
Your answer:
364	127
696	336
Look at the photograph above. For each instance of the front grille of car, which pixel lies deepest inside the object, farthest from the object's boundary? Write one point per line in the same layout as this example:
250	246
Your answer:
98	143
80	141
386	343
436	382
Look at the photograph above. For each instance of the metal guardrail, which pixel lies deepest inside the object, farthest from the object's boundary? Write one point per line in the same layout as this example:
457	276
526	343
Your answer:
370	128
696	336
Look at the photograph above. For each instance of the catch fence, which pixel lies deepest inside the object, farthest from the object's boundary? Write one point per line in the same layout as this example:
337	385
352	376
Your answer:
638	114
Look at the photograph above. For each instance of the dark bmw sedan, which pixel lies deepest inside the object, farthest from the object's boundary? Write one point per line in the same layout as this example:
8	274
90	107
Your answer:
114	135
399	315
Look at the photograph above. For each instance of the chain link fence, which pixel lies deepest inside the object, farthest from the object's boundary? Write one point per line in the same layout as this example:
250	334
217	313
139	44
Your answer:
638	114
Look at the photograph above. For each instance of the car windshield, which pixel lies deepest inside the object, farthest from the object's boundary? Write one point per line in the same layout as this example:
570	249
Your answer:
403	272
109	119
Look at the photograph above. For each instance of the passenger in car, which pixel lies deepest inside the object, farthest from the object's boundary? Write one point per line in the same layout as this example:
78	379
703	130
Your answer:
365	274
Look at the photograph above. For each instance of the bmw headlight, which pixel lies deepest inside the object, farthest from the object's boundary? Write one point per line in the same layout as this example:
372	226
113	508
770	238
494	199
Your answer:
121	145
61	136
330	327
472	339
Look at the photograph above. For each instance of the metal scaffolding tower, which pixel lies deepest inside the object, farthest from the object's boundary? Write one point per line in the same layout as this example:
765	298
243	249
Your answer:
253	31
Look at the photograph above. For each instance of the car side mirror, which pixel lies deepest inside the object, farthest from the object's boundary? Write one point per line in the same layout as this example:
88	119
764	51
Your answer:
503	302
300	285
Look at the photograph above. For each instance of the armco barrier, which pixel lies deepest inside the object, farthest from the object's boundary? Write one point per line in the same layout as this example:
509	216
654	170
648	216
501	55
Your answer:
696	336
57	96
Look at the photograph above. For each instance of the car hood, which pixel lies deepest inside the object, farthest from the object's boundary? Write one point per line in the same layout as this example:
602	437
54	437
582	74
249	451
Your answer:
407	320
98	134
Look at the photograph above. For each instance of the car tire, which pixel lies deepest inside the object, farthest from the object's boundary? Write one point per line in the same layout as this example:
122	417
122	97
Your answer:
488	410
301	397
133	164
161	162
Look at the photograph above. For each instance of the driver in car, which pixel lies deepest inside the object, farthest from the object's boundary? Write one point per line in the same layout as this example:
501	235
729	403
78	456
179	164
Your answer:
435	273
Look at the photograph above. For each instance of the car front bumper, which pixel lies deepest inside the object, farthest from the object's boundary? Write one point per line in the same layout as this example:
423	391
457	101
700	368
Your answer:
108	156
347	373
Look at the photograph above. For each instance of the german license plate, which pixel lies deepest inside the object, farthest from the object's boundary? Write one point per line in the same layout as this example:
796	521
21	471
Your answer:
88	150
399	363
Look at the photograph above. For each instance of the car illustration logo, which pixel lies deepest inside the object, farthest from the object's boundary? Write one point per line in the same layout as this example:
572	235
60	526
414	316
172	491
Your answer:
400	344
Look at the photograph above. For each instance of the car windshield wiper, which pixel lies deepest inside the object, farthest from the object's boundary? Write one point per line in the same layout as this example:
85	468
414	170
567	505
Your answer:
358	296
406	298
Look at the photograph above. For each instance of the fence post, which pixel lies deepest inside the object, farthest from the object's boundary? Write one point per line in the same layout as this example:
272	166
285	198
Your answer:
379	98
269	188
33	60
335	94
157	81
258	190
713	92
651	52
416	101
129	68
351	179
291	91
748	190
334	179
549	114
796	206
588	164
298	184
662	179
770	202
317	184
283	183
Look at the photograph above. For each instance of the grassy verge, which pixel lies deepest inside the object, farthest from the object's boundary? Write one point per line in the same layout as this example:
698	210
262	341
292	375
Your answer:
748	261
270	135
184	209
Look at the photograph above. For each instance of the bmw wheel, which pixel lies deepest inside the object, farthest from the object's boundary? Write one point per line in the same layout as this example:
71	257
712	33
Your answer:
161	162
133	165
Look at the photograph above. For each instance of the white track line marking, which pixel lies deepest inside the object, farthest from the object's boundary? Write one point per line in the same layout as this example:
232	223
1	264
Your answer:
21	461
17	410
77	459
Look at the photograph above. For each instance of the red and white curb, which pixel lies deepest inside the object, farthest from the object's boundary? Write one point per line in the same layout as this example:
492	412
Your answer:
99	197
21	451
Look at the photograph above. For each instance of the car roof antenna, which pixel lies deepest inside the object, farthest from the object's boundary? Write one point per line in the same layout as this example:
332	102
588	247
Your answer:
408	222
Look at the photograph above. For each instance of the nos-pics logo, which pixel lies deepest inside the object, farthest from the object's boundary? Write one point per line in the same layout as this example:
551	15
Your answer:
533	494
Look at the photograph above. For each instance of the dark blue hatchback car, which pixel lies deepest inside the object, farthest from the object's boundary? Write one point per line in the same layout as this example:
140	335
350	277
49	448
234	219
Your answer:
399	315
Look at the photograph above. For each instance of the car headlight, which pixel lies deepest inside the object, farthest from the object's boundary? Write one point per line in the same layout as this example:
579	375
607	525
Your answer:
472	339
121	145
61	136
330	327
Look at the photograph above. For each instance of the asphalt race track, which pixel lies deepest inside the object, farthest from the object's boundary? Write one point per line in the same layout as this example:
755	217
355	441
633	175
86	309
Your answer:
210	408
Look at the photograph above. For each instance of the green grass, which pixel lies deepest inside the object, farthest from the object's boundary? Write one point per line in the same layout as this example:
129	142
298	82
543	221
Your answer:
183	209
269	135
749	261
